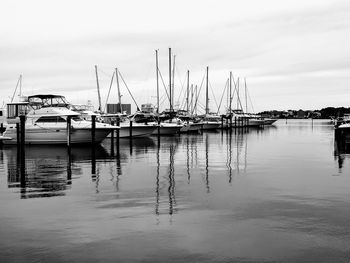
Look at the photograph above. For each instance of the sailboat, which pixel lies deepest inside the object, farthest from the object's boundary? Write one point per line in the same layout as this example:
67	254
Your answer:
167	126
139	127
210	121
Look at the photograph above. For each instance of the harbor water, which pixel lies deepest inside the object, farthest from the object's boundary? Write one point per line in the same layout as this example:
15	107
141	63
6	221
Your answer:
277	194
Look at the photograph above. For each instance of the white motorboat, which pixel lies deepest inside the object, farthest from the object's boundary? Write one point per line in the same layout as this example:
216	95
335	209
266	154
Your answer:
211	122
142	126
46	122
169	127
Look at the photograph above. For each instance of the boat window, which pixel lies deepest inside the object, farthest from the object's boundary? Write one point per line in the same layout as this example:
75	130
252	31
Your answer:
51	119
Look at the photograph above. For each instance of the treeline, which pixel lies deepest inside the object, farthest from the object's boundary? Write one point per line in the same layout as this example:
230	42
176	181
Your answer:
324	113
335	112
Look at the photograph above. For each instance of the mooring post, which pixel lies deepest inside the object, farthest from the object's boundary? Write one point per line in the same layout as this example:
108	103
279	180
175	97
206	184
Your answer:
69	132
158	127
130	130
112	134
112	139
93	129
222	122
22	119
118	135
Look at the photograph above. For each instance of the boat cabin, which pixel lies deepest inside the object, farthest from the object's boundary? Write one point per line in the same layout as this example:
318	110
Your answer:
15	109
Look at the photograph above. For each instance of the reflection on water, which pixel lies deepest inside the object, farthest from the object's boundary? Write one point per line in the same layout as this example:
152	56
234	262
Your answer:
246	195
47	170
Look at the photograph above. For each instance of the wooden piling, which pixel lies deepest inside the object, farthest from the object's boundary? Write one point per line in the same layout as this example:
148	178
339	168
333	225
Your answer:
93	129
130	130
158	127
22	120
112	134
69	132
112	140
118	135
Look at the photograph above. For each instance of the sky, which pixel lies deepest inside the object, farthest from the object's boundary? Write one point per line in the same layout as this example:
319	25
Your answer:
293	54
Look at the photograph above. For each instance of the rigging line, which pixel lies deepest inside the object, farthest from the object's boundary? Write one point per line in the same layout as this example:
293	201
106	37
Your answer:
13	96
250	99
223	93
137	106
161	77
217	106
109	91
200	88
182	106
182	83
239	100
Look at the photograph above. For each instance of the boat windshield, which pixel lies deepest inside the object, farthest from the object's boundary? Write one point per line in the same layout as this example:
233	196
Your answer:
140	118
42	101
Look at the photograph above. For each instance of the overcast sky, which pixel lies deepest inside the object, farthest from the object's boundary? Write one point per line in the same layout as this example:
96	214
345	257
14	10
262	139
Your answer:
293	54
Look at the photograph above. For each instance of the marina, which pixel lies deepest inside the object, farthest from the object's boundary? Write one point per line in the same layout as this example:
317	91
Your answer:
174	132
207	197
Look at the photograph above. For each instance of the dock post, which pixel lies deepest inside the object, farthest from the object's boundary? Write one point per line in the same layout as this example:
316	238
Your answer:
93	129
158	127
69	132
118	135
22	119
112	134
112	140
222	122
130	130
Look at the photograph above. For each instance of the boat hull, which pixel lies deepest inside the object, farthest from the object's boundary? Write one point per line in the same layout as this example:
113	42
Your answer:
211	125
137	130
57	136
191	127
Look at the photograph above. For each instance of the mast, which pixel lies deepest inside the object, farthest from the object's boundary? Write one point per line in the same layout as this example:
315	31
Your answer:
230	107
19	82
118	87
20	85
195	106
170	93
188	87
206	95
157	82
191	99
98	90
238	99
246	103
173	82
